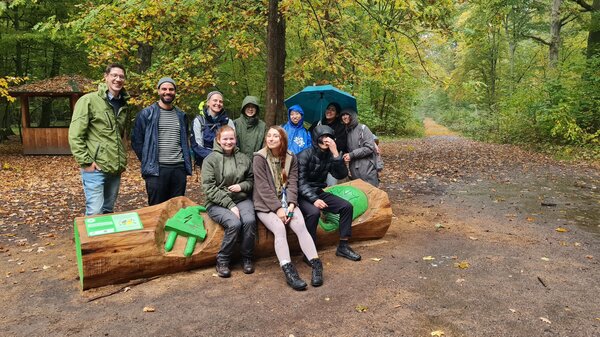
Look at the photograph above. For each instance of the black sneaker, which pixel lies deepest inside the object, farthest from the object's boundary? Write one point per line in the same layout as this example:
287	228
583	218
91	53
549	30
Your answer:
247	266
347	252
223	269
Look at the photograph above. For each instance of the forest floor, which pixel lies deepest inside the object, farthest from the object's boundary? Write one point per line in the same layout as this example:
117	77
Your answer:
486	240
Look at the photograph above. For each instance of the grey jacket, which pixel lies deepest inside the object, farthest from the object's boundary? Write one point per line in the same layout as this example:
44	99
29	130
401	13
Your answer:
361	148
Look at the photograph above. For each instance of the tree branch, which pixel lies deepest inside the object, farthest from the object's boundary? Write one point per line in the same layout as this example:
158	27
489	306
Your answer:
318	23
535	38
585	5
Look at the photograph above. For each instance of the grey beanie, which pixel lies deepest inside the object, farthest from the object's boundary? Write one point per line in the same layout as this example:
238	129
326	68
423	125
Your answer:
213	93
166	80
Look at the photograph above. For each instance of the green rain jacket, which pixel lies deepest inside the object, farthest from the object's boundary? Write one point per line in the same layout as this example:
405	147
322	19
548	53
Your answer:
95	132
250	131
220	171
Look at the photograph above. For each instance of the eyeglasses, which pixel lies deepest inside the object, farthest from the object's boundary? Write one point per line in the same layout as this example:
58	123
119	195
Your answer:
115	76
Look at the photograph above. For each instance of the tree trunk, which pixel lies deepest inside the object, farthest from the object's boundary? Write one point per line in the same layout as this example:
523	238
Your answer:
145	55
555	26
119	257
275	64
47	102
593	42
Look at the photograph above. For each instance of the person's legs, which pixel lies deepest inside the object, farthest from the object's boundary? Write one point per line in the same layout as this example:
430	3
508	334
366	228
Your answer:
93	188
231	224
178	182
274	224
306	243
344	209
311	216
112	182
154	189
248	219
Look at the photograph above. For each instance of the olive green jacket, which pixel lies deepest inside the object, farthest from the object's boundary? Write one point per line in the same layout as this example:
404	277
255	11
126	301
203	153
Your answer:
95	132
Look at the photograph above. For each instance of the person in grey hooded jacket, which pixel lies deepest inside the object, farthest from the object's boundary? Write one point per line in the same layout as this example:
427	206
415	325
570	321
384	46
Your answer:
361	149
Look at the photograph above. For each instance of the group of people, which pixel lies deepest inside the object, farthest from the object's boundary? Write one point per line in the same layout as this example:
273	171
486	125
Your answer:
276	174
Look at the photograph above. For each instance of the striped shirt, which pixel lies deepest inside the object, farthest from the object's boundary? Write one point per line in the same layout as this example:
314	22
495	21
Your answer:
169	138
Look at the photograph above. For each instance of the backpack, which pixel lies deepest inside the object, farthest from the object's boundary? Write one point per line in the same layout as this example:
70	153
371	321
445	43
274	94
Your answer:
376	156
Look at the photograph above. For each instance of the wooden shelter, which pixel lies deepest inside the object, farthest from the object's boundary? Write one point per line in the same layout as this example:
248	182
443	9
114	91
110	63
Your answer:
45	138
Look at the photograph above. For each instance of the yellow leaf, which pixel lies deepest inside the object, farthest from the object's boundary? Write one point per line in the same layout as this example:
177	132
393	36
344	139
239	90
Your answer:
428	258
376	259
530	219
149	309
437	333
462	265
561	230
361	308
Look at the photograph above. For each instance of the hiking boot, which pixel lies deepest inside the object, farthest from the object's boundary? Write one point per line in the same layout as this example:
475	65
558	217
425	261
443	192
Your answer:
223	269
292	278
247	266
317	273
347	252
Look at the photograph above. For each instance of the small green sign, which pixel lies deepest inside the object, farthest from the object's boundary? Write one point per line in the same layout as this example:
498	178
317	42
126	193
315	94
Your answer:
114	223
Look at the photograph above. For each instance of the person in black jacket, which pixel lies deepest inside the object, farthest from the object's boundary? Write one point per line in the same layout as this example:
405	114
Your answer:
314	164
160	141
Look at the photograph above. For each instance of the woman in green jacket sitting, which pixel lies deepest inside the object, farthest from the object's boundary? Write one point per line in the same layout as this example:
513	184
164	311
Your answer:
227	181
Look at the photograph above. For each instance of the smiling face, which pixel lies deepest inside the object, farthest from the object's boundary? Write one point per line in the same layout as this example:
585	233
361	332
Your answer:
346	119
330	113
167	92
250	110
215	104
273	140
115	79
295	117
227	141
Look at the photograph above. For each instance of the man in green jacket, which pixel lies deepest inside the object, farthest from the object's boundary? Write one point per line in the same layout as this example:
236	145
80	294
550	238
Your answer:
96	143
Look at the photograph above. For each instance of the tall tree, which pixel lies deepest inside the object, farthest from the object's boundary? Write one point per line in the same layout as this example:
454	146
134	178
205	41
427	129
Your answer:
275	62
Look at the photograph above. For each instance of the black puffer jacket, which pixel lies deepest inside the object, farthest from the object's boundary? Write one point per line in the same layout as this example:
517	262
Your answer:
314	164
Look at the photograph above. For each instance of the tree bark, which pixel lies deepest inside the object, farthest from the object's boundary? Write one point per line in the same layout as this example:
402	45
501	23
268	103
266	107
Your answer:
593	42
145	55
555	26
275	64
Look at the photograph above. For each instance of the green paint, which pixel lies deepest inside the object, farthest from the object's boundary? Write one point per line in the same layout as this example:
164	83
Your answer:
78	253
189	223
353	195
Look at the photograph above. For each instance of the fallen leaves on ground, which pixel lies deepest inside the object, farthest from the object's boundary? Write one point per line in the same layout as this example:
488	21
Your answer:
428	258
149	309
361	308
545	320
437	333
561	230
462	265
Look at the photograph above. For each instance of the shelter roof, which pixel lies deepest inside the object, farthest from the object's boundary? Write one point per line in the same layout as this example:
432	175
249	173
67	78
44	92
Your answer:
59	85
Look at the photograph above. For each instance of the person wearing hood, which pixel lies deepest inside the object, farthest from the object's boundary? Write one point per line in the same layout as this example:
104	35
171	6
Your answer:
227	182
331	118
205	126
298	137
275	199
249	128
361	156
314	164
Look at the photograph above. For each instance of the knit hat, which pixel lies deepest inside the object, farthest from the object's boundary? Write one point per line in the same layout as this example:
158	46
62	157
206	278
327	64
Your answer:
210	94
166	80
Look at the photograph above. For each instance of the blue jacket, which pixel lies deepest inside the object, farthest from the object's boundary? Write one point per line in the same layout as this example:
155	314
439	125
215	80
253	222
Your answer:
204	130
298	137
144	139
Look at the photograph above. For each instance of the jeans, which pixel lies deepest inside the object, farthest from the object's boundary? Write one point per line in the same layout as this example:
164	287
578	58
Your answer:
246	226
101	191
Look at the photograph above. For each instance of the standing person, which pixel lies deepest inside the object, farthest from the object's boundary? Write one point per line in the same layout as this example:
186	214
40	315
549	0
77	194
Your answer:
314	164
95	137
205	125
361	156
298	137
249	128
227	181
160	141
332	119
275	198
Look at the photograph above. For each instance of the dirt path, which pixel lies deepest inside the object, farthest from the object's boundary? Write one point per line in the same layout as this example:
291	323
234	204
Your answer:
523	227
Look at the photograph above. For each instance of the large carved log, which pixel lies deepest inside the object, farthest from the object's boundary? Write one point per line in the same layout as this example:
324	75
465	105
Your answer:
123	256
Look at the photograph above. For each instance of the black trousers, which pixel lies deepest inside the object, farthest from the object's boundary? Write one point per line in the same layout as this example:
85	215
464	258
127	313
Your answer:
335	205
171	182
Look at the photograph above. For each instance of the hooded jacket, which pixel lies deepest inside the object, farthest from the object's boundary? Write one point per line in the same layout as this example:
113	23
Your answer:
361	148
250	131
144	139
314	164
298	137
339	130
204	130
220	171
264	194
95	132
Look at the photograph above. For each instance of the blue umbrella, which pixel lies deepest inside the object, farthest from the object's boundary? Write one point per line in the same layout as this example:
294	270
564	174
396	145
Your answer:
314	100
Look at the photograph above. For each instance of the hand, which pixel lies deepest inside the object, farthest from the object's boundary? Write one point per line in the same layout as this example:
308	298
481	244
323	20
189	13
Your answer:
93	167
331	145
235	211
377	149
282	215
235	188
320	204
347	157
291	208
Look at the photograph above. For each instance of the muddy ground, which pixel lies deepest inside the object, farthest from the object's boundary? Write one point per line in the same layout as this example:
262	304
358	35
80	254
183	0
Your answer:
486	240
